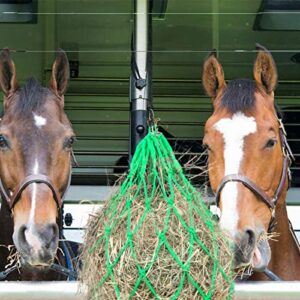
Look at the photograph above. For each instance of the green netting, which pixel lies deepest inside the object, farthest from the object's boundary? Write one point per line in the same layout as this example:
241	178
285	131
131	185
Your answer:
155	238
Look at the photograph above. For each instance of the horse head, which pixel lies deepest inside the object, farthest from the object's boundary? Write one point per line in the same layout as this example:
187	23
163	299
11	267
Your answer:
35	158
247	166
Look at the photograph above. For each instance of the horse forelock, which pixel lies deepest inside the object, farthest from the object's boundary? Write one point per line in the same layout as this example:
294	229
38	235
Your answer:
239	96
31	98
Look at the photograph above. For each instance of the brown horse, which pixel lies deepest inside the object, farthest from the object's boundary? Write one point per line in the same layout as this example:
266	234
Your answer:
248	165
35	157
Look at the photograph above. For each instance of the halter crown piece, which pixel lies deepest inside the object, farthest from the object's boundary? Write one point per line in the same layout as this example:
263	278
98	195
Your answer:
271	202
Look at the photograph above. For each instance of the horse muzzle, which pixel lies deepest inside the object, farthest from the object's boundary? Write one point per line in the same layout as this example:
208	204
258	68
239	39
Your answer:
261	256
37	246
252	251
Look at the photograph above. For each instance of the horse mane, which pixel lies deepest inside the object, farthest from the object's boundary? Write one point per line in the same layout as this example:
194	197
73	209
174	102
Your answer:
32	97
239	95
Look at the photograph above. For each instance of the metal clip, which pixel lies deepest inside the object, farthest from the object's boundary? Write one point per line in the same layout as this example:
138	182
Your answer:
281	126
284	152
273	209
289	174
287	152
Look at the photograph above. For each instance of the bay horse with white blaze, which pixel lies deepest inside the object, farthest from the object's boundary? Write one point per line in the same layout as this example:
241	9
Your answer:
35	167
248	165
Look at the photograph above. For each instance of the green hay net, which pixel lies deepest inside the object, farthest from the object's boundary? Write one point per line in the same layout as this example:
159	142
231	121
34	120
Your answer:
155	238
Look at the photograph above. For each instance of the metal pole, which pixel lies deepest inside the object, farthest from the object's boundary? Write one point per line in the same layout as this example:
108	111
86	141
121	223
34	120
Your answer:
140	79
268	290
69	290
49	35
66	290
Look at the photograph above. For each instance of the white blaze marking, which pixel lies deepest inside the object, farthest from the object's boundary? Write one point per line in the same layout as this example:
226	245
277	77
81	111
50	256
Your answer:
234	131
33	205
31	237
39	120
35	171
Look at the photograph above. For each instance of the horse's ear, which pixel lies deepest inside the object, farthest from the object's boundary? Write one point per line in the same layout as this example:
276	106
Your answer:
265	73
8	80
60	73
213	75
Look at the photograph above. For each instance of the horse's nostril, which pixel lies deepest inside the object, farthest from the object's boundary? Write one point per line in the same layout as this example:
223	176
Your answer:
22	237
251	237
52	228
244	248
51	235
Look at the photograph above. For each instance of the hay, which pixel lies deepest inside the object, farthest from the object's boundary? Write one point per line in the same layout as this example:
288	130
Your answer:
244	272
155	238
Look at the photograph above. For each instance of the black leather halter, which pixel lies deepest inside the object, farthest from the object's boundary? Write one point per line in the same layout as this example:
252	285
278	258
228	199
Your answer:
253	187
38	178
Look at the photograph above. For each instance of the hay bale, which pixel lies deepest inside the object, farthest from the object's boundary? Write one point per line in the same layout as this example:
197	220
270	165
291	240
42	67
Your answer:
155	238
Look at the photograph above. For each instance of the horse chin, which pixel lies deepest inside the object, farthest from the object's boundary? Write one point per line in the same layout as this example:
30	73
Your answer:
261	256
30	264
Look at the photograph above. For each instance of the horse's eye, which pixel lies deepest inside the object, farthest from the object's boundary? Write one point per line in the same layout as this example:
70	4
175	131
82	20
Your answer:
69	142
271	143
3	142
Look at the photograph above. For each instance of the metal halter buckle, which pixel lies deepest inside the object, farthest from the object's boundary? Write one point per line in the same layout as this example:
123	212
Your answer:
286	150
281	126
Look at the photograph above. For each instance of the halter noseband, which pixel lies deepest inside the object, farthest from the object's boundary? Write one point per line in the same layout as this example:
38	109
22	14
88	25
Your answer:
38	178
253	187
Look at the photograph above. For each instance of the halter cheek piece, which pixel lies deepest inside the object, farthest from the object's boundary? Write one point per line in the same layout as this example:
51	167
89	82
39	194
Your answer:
38	178
253	187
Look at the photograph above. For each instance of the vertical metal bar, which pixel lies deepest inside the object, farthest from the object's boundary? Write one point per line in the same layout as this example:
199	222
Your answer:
49	35
68	290
141	35
140	80
215	24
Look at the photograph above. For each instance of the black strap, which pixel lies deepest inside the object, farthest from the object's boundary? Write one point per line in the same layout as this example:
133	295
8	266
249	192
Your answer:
6	272
246	182
37	178
64	271
269	201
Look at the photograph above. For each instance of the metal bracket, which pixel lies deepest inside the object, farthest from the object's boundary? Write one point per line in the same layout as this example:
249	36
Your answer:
140	79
